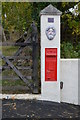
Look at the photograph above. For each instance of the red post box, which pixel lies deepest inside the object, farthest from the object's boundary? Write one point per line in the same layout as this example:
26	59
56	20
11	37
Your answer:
50	64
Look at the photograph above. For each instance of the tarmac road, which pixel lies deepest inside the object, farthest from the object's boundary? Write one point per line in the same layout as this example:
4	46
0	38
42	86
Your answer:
38	109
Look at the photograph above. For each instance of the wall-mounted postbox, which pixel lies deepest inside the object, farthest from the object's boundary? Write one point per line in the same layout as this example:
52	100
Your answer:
50	64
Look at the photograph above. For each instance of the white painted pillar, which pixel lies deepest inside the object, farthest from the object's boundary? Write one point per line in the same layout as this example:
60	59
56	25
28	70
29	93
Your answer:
50	72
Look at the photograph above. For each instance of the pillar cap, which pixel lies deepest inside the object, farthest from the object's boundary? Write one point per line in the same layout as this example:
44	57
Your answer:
50	10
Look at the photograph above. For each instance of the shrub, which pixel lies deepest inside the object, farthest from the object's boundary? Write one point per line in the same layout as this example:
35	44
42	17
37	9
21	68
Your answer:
69	51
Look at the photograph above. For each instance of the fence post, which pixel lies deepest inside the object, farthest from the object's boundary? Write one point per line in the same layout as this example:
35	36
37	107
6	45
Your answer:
35	58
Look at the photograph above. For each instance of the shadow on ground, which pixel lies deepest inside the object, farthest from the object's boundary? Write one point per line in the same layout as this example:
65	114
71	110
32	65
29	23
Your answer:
38	109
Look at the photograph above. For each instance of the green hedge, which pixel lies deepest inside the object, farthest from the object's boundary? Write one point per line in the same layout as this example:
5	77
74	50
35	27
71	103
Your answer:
70	51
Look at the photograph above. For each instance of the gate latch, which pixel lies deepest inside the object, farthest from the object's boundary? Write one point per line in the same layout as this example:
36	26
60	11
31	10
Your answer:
61	85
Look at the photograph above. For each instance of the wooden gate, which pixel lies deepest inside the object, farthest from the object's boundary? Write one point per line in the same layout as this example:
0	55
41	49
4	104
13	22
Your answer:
32	42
